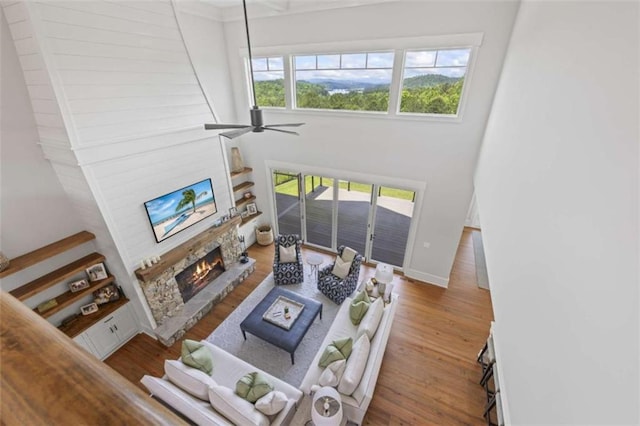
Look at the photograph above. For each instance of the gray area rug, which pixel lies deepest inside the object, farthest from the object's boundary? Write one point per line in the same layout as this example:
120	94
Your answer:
481	264
265	356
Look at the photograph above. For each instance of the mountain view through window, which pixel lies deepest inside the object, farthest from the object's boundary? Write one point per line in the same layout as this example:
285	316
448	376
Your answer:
268	76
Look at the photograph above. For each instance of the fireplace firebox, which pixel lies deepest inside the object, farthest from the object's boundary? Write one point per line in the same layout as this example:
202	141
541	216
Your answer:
197	276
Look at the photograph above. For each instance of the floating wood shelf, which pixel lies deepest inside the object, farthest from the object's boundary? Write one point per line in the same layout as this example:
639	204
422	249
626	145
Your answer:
43	253
52	278
66	299
174	255
249	218
242	186
241	172
85	321
242	201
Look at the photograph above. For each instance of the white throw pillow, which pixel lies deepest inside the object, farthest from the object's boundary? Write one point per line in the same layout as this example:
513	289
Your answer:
238	410
348	254
333	373
189	379
371	320
288	254
272	403
341	268
356	364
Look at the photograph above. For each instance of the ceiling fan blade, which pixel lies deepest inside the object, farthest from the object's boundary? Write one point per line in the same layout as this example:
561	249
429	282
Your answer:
236	133
216	126
283	131
285	125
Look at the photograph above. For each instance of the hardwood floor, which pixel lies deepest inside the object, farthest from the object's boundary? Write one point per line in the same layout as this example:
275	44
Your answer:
429	375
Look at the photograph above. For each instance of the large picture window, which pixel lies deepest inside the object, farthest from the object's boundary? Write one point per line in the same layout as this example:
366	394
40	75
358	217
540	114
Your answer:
432	81
268	75
347	81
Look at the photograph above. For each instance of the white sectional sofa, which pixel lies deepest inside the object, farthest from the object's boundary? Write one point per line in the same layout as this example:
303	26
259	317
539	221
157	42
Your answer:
227	370
355	405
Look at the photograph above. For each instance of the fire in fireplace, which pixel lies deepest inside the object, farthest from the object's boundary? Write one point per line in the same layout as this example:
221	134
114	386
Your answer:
197	276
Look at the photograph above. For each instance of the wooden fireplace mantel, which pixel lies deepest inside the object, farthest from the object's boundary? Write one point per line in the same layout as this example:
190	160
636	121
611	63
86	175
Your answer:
174	255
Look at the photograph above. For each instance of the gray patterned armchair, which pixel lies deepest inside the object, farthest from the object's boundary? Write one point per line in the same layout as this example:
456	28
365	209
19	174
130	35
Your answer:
335	288
292	272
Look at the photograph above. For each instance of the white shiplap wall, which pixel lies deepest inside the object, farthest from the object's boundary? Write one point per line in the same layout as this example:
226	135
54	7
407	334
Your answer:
120	113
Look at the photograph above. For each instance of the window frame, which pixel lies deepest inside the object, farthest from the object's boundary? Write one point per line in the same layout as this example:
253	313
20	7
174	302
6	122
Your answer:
399	46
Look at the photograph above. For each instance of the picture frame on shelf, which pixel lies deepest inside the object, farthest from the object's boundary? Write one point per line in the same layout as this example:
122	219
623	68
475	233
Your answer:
96	272
89	309
252	209
76	286
244	214
233	212
106	294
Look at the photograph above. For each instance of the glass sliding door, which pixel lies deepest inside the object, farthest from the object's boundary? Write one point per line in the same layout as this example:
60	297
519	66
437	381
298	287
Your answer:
318	200
286	187
354	206
394	209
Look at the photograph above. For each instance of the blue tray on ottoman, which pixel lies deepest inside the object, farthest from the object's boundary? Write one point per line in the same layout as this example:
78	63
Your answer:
288	340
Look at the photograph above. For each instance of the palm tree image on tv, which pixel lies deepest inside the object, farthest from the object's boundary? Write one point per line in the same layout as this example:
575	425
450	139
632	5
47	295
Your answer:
173	212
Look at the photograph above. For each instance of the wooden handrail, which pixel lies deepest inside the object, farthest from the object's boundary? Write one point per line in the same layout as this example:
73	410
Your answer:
48	379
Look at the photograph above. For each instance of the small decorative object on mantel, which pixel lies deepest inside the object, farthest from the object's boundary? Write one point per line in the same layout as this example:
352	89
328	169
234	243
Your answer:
247	195
4	262
252	209
96	272
89	309
233	212
45	306
78	285
237	165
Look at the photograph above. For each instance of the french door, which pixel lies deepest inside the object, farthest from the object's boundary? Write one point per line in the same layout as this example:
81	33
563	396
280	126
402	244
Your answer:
372	219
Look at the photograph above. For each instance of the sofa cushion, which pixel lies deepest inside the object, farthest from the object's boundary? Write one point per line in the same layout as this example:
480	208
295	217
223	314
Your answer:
341	268
253	386
234	408
355	366
272	403
333	373
348	254
287	254
197	355
189	379
336	350
371	320
359	306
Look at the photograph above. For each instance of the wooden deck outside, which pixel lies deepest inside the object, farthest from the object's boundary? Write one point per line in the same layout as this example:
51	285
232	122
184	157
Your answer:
429	375
391	228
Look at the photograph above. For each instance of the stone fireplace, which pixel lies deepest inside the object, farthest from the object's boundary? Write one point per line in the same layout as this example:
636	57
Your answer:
191	278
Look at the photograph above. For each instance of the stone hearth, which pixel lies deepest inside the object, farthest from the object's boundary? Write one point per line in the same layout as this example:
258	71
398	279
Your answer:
173	316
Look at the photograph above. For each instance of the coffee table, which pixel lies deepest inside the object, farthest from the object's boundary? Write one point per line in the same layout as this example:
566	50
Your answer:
277	336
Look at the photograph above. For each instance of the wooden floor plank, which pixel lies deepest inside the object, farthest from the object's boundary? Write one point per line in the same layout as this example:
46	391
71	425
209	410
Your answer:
428	376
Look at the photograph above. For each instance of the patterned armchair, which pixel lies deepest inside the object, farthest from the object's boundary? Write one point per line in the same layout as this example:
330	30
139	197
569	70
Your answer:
288	273
335	288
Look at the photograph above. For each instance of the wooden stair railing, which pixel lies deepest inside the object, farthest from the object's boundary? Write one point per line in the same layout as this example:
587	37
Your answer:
48	379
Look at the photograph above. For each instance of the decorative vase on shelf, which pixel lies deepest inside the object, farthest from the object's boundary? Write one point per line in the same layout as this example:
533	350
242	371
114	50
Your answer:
4	262
237	165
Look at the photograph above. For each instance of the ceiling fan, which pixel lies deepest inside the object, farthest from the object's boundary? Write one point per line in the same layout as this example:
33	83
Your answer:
257	123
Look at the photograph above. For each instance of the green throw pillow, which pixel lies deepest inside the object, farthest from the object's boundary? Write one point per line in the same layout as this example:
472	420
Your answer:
253	386
359	306
335	351
197	355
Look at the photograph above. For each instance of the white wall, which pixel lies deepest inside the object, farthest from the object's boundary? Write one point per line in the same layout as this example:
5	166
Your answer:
440	154
557	189
35	210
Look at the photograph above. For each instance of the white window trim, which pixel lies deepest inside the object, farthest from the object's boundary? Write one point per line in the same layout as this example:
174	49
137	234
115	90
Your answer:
399	45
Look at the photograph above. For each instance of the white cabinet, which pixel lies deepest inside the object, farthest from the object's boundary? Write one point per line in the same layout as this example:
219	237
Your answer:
111	332
86	344
248	231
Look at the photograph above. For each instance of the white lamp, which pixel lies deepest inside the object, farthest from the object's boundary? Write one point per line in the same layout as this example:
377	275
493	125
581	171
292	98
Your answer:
384	275
326	408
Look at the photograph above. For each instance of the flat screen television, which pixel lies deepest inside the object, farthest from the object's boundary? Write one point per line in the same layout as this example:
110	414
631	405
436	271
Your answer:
178	210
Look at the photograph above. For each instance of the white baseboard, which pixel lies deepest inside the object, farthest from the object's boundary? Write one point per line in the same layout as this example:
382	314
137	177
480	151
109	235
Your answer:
427	278
149	333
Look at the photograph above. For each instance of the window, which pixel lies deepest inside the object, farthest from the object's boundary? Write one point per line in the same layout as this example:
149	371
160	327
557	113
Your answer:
348	81
432	81
268	76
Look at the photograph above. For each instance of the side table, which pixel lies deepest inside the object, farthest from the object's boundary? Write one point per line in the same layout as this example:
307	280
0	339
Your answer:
314	261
